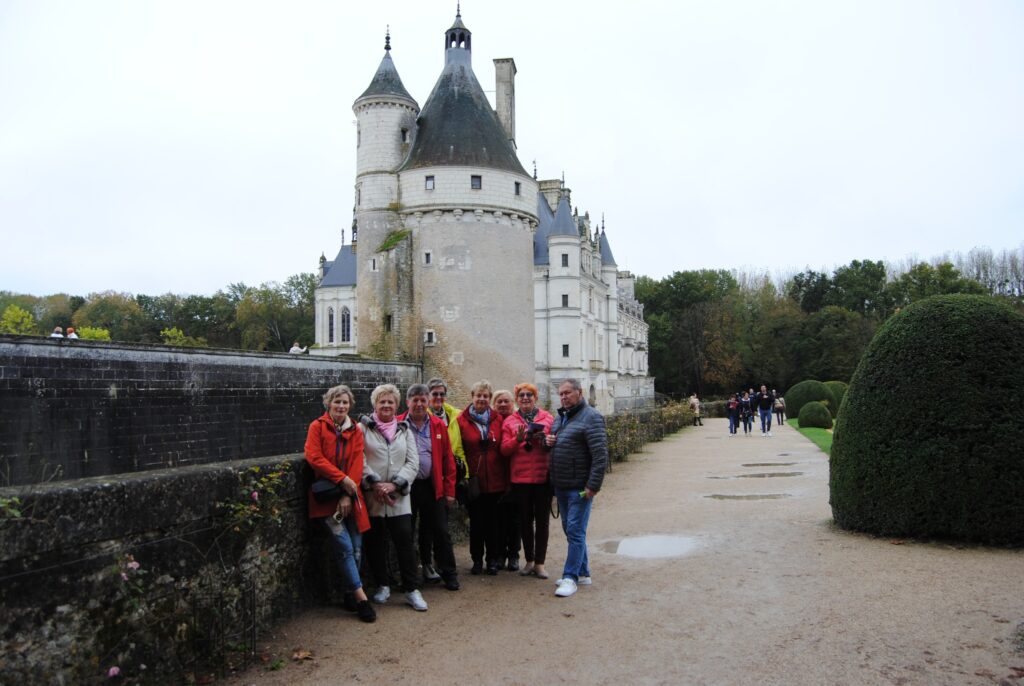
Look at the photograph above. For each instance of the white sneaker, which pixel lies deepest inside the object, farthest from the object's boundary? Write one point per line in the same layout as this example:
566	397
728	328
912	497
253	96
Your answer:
415	598
584	581
430	574
769	434
566	587
382	595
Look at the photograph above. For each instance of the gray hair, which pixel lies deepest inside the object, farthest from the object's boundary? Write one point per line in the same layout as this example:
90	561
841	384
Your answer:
385	389
435	382
335	391
417	389
576	386
482	385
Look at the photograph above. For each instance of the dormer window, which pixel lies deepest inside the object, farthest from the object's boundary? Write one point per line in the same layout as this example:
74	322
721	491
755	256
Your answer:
476	182
428	183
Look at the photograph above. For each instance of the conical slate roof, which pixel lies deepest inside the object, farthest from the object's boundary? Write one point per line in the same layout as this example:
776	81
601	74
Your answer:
457	126
386	82
342	271
545	219
606	252
563	223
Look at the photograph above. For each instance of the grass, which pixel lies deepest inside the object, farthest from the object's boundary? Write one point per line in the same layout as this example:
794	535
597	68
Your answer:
819	437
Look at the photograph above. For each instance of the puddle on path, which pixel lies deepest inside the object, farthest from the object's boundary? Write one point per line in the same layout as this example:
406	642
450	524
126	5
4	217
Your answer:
769	464
652	546
765	496
765	475
783	454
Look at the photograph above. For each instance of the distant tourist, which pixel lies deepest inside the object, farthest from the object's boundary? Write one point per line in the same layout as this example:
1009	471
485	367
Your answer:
579	455
390	468
522	441
334	449
296	349
732	410
747	413
764	401
780	408
504	405
57	332
695	408
71	332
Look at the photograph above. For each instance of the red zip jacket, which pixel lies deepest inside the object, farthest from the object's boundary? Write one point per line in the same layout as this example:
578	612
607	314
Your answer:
442	472
527	466
484	457
328	462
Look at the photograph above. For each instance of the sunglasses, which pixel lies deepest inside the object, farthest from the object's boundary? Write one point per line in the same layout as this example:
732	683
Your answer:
438	394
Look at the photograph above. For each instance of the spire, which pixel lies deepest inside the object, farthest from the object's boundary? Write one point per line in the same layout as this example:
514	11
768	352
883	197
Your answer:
457	41
564	224
387	82
607	260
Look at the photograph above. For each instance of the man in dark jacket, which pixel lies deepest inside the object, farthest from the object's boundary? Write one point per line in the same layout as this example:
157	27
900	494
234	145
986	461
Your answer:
579	455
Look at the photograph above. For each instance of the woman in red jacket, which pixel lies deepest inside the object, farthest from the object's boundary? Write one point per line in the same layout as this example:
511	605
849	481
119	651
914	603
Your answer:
334	449
480	428
522	440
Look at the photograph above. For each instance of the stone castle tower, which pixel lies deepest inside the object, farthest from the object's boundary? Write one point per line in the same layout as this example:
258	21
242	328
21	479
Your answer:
443	226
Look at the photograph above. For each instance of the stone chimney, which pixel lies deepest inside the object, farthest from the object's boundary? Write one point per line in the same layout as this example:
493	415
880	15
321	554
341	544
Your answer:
505	95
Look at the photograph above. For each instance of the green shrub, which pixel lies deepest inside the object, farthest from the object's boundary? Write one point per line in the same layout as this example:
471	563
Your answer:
838	389
814	415
808	392
930	442
713	408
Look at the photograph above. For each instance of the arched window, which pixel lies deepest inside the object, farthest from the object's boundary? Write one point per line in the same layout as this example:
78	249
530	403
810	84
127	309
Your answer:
346	325
330	324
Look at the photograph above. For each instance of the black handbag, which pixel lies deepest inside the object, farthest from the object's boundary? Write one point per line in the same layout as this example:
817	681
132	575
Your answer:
325	490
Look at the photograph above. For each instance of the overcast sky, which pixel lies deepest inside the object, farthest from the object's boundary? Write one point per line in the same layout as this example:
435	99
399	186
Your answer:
184	145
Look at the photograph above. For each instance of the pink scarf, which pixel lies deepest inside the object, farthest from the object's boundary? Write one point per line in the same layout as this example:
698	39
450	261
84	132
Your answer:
386	428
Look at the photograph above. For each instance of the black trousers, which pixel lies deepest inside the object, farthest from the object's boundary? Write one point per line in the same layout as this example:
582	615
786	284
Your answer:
510	524
375	541
534	510
431	514
487	529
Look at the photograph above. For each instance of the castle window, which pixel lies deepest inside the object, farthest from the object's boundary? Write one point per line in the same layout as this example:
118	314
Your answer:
565	259
388	322
565	350
428	183
476	182
359	195
427	257
373	265
346	325
565	300
519	188
359	136
330	324
429	337
405	135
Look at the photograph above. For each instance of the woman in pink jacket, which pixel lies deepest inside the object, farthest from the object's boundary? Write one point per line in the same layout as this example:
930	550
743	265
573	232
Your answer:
522	441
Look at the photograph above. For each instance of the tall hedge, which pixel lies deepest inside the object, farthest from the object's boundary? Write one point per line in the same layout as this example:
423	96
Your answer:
808	392
838	389
930	442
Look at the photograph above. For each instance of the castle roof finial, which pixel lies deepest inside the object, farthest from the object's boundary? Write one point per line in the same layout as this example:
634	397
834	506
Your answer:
458	9
535	170
602	222
387	39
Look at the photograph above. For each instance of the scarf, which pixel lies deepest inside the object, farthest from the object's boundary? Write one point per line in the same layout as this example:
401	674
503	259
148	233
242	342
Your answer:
482	420
440	414
529	416
388	429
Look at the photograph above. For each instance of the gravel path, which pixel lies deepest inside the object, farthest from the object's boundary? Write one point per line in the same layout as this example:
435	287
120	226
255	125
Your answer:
765	591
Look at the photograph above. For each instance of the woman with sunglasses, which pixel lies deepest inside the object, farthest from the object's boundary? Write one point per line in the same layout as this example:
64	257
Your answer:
522	441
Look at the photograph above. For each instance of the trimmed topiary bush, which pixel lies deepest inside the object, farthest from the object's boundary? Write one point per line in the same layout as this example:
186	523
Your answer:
838	389
930	442
808	392
814	414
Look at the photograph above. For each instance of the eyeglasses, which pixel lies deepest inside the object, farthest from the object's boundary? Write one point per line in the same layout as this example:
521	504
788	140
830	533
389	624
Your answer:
438	394
526	395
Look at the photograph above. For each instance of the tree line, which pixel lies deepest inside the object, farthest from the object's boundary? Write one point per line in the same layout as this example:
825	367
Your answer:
266	317
714	331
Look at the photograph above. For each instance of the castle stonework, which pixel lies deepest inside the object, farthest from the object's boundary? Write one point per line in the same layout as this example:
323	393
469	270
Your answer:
442	267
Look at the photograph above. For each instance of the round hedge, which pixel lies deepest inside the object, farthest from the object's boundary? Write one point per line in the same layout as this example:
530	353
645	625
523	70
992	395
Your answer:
930	442
807	392
814	414
838	389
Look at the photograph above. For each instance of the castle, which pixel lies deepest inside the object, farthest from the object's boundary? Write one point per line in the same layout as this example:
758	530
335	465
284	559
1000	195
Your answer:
462	260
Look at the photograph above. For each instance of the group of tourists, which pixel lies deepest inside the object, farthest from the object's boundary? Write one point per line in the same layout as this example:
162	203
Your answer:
503	457
58	332
743	407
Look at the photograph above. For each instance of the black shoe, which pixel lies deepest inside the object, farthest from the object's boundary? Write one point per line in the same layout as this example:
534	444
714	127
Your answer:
492	568
513	564
451	582
478	568
366	612
349	602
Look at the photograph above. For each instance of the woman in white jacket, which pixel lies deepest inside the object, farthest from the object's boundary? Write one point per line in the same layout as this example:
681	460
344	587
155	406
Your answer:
390	466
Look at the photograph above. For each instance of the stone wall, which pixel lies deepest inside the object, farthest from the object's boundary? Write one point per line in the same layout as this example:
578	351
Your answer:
74	409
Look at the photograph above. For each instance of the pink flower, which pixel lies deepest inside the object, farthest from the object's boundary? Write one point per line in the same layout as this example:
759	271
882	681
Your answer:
113	671
133	565
256	495
124	577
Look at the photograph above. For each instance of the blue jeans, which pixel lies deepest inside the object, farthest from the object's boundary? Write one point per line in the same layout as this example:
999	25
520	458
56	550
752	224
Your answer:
346	548
734	423
766	419
575	511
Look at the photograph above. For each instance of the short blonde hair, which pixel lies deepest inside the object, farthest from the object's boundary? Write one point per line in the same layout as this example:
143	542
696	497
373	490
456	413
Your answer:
385	389
335	391
482	385
503	391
